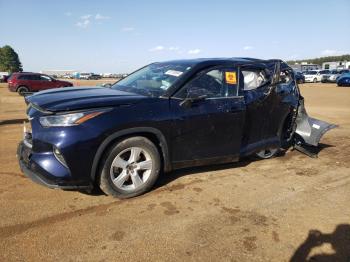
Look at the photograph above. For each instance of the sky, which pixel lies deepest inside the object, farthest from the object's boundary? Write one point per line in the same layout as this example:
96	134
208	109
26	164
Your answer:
121	36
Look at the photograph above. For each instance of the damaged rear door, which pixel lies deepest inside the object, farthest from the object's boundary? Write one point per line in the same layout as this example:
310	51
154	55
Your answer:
266	109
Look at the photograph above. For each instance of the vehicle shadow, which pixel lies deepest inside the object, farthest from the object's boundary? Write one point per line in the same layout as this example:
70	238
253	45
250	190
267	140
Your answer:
339	240
165	179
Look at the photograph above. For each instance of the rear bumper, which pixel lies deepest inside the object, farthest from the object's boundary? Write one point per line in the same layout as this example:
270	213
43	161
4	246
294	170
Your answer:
11	88
32	171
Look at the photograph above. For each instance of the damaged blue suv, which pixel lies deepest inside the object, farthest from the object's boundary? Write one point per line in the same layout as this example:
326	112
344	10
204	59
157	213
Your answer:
164	116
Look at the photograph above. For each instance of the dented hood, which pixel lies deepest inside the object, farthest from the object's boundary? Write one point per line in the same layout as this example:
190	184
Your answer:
65	99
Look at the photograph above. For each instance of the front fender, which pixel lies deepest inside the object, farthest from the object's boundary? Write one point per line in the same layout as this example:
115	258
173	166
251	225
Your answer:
130	131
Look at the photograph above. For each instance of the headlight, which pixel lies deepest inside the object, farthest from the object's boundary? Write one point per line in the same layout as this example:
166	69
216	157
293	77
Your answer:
72	119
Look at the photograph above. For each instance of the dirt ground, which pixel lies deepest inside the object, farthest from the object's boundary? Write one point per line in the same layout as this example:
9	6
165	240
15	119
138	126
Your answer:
247	211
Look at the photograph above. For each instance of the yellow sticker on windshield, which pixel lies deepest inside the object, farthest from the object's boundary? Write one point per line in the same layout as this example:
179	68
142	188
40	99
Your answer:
231	78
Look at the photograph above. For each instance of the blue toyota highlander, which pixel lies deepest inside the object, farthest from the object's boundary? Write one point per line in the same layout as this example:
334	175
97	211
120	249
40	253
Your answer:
162	117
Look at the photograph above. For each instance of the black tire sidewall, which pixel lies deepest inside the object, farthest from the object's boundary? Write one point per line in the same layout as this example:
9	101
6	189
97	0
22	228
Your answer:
22	89
106	183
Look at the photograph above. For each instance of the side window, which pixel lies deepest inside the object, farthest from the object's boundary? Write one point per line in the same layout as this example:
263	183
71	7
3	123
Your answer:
254	78
215	83
209	84
23	77
45	78
34	77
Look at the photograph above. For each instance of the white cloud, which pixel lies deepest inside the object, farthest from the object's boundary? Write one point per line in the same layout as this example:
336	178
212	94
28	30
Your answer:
173	48
194	51
101	17
248	47
68	14
83	24
329	52
86	20
157	48
85	17
128	29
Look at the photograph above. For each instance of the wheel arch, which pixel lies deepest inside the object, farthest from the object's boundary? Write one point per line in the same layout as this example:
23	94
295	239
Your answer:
19	86
288	120
153	134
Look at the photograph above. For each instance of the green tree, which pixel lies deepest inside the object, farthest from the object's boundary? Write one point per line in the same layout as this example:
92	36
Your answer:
321	60
9	60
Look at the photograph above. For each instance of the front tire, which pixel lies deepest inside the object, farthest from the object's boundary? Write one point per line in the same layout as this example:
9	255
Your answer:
130	168
315	80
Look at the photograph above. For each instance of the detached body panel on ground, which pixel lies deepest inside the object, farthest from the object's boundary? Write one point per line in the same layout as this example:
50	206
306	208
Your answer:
163	117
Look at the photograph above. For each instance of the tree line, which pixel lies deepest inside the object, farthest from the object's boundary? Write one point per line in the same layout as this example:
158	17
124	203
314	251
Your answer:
9	60
321	60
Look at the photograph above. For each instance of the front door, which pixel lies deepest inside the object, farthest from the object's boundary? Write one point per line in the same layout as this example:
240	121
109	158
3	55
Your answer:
210	126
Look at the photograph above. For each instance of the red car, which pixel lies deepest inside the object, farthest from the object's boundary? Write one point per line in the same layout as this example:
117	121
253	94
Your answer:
32	82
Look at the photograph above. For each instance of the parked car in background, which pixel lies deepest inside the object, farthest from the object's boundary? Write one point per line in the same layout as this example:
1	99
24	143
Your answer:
330	77
334	75
3	76
344	71
94	77
84	76
344	80
164	116
312	76
299	77
68	76
33	82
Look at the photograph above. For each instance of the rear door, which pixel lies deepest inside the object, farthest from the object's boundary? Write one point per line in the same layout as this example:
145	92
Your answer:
267	106
210	127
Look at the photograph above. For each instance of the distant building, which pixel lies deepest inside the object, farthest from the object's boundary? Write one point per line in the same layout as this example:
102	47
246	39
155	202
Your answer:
336	65
303	66
58	73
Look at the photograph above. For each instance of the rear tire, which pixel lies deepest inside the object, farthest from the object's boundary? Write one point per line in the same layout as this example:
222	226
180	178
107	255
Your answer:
267	153
130	168
22	89
315	80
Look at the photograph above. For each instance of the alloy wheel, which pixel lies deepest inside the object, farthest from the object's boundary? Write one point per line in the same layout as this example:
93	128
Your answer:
267	153
131	168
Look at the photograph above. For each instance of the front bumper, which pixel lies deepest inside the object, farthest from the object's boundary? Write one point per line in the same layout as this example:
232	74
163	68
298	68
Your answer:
37	174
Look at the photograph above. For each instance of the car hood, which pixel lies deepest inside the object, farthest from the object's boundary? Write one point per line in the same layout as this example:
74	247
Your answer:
67	99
